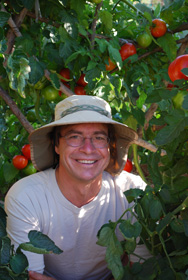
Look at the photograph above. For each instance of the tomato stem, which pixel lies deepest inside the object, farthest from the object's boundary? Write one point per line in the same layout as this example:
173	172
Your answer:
136	162
37	104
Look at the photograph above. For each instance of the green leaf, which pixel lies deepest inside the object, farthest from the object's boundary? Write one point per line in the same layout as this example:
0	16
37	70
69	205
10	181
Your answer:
175	5
130	246
18	262
166	41
37	71
155	209
132	194
164	222
28	4
103	44
55	80
177	225
4	17
106	18
185	102
5	250
9	171
177	123
40	243
115	55
104	234
129	230
185	223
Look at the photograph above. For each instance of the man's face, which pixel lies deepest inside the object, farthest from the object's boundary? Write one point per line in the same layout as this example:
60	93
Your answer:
86	162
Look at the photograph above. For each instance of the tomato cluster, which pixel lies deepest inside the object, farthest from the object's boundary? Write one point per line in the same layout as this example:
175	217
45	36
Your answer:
21	162
80	84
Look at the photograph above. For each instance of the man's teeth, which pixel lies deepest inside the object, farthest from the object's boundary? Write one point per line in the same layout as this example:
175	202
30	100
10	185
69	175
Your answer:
86	161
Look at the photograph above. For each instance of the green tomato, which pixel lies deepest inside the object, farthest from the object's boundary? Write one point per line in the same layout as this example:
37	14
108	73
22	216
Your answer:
144	40
29	169
31	116
50	93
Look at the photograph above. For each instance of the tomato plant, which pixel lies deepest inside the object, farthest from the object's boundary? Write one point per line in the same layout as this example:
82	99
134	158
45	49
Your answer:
110	66
29	169
79	90
127	50
175	67
128	166
81	81
158	28
65	73
26	151
50	93
144	40
19	161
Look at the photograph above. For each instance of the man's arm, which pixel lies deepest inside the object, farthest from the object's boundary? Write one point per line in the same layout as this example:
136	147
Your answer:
37	276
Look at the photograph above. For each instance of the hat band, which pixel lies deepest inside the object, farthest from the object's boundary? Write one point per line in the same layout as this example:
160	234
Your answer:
84	108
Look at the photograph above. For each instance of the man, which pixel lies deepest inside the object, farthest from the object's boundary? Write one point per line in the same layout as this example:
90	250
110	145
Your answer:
79	188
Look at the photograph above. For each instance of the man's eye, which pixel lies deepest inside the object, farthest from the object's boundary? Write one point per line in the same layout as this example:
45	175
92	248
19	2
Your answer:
74	137
100	138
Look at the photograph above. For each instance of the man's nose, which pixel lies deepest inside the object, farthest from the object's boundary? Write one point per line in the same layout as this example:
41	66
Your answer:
87	144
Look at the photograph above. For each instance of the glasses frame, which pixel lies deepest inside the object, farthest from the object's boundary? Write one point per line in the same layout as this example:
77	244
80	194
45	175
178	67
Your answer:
83	141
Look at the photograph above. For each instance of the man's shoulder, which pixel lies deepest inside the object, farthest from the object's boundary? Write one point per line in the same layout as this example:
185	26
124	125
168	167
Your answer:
125	180
34	183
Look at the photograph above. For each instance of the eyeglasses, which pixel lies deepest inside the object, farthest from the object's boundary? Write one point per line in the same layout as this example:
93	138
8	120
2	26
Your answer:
98	141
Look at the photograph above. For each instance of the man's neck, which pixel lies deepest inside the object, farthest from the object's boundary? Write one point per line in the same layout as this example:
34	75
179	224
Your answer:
78	193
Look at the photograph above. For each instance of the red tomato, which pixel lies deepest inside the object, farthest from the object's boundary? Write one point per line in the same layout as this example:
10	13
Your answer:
19	161
26	151
175	67
127	50
81	81
158	28
79	90
128	166
110	66
65	73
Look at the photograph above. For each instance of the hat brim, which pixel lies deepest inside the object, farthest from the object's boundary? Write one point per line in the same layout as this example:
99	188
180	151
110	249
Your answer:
42	150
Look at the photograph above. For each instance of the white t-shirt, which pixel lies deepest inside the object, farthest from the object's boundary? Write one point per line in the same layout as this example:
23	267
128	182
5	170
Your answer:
36	203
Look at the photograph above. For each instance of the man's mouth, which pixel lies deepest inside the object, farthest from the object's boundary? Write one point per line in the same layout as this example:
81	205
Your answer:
86	161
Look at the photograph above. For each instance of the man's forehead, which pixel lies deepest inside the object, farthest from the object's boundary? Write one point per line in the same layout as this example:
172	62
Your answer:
87	126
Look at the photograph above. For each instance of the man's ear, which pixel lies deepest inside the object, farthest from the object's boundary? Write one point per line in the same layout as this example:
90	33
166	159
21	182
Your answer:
57	149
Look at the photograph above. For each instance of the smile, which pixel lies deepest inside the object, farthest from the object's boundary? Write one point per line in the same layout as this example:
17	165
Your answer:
87	161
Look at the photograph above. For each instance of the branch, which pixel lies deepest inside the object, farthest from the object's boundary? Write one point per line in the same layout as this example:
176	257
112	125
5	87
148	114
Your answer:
148	116
94	24
148	146
16	111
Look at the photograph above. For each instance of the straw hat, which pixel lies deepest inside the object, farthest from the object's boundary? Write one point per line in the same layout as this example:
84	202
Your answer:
78	109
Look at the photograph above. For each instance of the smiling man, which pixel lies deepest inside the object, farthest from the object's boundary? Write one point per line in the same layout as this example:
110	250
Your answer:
79	187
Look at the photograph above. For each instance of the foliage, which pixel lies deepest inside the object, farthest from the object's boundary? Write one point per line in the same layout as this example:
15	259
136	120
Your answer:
82	36
14	263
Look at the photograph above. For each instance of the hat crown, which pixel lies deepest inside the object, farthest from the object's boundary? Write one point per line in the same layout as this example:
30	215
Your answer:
75	103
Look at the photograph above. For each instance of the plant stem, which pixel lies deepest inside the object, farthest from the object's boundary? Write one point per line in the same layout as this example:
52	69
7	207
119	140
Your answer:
37	104
137	165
